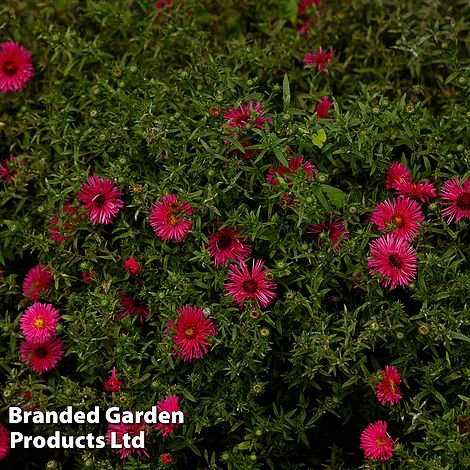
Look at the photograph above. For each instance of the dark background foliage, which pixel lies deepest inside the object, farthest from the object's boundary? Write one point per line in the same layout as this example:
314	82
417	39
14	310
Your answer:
125	92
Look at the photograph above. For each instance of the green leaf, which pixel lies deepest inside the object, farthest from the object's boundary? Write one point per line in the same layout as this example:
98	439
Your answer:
451	77
285	91
319	138
291	8
280	156
188	395
244	445
457	335
335	195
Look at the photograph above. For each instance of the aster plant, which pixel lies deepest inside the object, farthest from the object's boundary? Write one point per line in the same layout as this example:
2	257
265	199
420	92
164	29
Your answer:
252	212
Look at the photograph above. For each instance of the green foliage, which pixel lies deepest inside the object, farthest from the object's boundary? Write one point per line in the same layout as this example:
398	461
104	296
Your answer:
127	92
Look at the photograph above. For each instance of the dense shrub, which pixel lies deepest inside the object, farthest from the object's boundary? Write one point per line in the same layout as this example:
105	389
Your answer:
140	95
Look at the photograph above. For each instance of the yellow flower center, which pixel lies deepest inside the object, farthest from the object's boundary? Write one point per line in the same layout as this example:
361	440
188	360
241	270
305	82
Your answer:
189	333
398	220
380	442
172	220
39	323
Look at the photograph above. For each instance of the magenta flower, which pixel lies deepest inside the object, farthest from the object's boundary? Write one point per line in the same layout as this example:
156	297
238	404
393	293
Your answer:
167	459
132	266
455	195
112	384
246	114
335	230
169	404
4	441
422	190
243	285
191	331
296	163
304	5
61	230
393	259
42	357
376	443
38	323
16	67
37	282
163	5
306	24
171	220
132	430
397	174
225	246
388	389
404	213
131	307
399	178
102	199
322	108
320	58
10	168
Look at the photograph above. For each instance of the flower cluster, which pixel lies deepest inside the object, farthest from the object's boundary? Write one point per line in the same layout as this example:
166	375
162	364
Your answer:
42	350
375	442
392	258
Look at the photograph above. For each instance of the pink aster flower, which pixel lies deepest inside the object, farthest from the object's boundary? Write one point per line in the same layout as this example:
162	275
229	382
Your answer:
38	323
303	6
455	195
422	190
243	285
16	67
130	307
112	384
399	178
37	282
335	230
191	331
119	430
321	58
167	459
322	108
88	276
63	226
307	23
101	199
10	168
246	114
402	215
394	259
4	441
295	163
397	174
388	389
225	246
163	5
169	404
132	266
171	220
304	14
42	357
376	443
